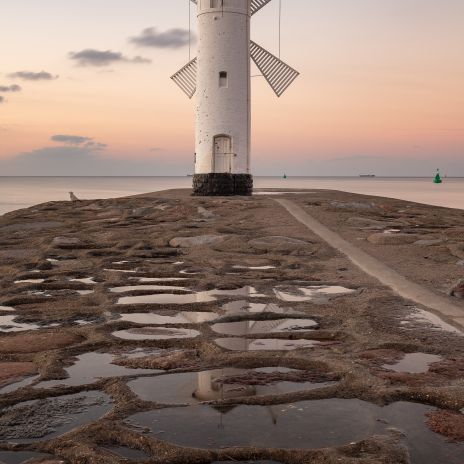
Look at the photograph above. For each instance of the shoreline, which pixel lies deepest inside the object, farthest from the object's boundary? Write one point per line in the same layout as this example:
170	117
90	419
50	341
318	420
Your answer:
76	274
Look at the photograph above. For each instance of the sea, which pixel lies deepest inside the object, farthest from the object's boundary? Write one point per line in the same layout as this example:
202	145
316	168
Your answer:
22	192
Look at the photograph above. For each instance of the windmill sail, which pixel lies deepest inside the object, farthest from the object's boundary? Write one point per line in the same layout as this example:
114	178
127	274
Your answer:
278	74
256	5
186	78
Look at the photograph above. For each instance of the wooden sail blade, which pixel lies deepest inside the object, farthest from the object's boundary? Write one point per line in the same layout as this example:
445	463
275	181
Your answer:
256	5
186	78
278	74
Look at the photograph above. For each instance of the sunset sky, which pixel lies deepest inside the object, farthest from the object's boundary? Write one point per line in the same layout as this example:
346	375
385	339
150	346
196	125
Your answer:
85	88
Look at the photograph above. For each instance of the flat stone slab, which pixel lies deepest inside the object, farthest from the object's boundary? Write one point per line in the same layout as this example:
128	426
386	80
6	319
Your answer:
200	240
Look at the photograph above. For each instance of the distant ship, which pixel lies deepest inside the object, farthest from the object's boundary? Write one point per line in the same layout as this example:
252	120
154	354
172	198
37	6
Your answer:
366	175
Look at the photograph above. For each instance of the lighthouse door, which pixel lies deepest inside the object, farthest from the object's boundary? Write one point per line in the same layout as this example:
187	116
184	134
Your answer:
222	154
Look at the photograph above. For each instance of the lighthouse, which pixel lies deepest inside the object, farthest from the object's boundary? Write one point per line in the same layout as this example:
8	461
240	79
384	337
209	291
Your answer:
219	78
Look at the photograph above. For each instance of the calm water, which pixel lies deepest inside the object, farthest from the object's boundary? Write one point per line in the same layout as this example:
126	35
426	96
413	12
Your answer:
21	192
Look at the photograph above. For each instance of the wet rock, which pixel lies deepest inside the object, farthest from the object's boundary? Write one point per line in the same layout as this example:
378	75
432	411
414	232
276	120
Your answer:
458	290
35	342
392	239
200	240
279	243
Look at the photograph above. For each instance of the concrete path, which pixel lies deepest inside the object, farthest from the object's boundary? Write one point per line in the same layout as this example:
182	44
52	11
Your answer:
399	284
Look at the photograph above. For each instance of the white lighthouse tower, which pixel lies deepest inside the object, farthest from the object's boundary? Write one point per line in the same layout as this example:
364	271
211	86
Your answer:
220	77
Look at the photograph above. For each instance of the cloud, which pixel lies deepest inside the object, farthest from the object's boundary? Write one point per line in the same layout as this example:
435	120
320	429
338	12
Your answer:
70	139
33	76
99	58
79	141
173	38
10	88
83	160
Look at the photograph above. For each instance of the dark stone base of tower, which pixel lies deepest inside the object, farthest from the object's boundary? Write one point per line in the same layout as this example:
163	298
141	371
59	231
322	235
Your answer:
222	184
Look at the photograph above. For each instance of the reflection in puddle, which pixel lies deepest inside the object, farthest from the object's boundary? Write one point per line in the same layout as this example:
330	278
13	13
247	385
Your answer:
8	324
124	271
264	344
220	384
17	385
51	417
255	268
392	231
244	307
183	317
414	363
305	424
432	320
191	298
20	457
261	327
91	367
166	298
155	333
30	281
131	288
321	293
85	280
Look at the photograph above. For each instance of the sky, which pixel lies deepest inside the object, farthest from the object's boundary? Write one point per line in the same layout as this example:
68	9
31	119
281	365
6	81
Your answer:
85	88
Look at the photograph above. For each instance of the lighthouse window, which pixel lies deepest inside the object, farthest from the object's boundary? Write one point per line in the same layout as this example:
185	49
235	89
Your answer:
222	79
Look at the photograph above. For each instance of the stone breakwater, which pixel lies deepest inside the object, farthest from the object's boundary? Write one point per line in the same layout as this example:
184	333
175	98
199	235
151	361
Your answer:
196	329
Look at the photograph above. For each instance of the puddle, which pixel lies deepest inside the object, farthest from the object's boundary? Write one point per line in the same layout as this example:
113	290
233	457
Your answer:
20	457
85	280
240	307
155	333
161	288
432	320
124	271
90	368
17	385
158	279
414	363
121	262
392	231
6	308
85	292
264	344
183	317
243	291
321	293
280	193
128	453
255	268
8	324
167	298
261	327
30	281
305	424
51	417
219	384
